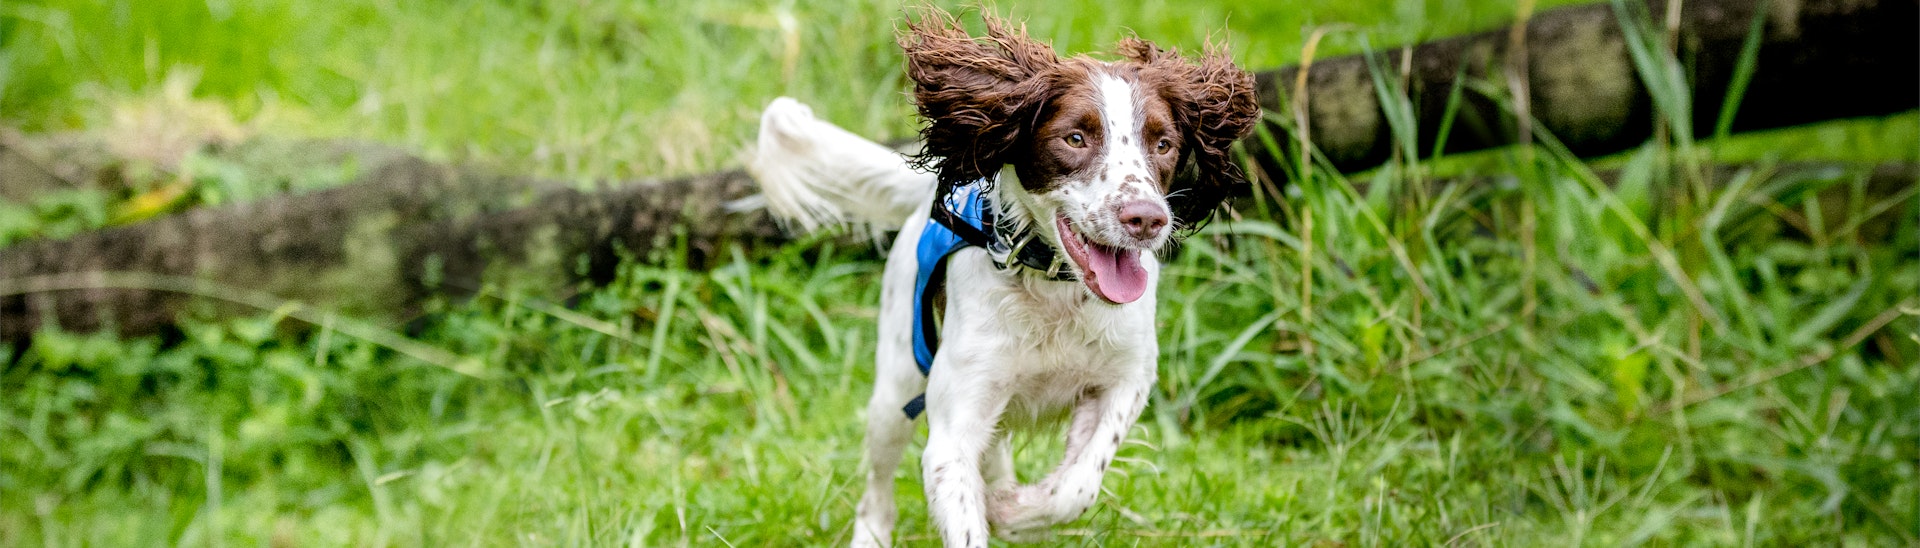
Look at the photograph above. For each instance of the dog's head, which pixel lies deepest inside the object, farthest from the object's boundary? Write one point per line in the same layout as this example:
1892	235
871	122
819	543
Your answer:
1112	157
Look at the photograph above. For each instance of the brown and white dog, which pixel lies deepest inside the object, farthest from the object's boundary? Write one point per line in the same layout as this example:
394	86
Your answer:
1101	160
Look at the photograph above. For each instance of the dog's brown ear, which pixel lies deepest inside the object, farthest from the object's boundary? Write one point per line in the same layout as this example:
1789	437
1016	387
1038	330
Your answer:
976	95
1214	106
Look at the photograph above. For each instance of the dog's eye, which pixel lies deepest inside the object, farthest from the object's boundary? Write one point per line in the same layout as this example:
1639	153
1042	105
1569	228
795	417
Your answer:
1076	140
1163	146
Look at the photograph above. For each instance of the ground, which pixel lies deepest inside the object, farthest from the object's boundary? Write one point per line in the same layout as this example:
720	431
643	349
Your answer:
1551	356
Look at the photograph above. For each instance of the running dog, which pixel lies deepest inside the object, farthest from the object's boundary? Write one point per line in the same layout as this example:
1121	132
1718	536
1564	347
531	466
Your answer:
1021	284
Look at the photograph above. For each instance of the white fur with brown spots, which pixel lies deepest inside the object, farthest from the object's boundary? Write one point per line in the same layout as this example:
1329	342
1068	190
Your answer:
1091	175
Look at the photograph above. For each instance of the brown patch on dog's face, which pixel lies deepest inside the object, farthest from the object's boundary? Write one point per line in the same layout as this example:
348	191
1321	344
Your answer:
1068	137
1213	105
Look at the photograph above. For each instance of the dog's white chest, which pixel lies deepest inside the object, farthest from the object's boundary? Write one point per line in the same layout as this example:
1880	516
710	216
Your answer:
1051	342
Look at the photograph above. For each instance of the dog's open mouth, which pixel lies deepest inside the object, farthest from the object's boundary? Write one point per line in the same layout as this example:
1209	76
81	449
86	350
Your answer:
1112	273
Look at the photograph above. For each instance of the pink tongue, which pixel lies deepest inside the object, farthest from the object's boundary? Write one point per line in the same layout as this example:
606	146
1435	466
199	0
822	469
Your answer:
1115	275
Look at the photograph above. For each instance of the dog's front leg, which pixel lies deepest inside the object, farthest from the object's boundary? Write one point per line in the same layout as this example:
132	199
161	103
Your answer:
1100	422
962	413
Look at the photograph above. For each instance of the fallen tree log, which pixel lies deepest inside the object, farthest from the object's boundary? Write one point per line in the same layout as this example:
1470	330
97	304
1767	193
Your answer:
410	231
1817	60
383	247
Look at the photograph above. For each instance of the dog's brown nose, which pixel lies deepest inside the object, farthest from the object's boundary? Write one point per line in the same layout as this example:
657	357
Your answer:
1143	219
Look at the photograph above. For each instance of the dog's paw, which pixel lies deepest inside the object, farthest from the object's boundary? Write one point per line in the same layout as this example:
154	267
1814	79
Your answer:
873	525
1023	536
1022	513
1021	516
1011	504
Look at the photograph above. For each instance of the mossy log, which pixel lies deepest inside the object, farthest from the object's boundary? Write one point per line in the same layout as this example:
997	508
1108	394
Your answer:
411	231
1817	60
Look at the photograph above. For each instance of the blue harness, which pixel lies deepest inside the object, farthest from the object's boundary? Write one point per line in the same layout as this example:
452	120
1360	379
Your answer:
962	217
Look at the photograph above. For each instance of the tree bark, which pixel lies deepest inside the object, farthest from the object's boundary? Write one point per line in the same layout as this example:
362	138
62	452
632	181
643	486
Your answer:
1818	60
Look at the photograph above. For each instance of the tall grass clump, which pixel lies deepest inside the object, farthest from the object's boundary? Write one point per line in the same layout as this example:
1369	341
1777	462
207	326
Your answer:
1661	352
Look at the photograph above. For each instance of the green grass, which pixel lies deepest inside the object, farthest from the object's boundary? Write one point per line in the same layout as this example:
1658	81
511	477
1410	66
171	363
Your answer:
1546	360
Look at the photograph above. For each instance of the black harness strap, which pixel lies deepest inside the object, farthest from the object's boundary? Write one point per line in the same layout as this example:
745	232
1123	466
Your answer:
1017	249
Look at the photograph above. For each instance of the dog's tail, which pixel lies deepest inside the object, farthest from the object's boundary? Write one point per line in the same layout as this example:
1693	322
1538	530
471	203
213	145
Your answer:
815	174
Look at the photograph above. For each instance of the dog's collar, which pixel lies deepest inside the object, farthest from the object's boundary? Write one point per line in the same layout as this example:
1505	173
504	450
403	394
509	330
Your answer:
1025	249
1008	249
